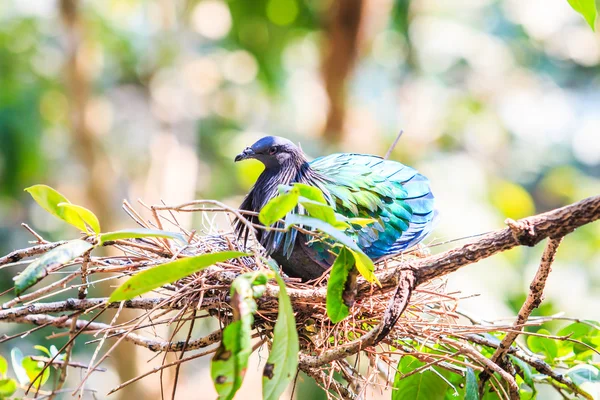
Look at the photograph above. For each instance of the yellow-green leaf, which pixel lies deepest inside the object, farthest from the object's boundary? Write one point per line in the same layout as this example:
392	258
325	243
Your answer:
7	388
138	234
33	369
310	192
155	277
337	310
365	266
38	269
3	367
49	199
587	8
282	364
278	207
43	349
86	215
322	212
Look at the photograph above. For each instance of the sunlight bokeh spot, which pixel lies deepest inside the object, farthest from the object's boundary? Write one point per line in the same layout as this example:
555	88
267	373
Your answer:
212	19
240	67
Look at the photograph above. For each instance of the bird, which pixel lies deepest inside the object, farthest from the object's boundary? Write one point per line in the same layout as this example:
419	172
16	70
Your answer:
396	198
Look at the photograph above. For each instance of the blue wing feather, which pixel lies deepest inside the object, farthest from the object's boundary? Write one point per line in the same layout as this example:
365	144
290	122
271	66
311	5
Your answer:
397	196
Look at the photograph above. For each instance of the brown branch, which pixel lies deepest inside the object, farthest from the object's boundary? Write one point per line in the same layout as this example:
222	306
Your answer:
40	292
94	327
73	364
488	364
556	223
18	255
67	358
328	384
393	146
396	306
534	298
156	369
540	365
9	315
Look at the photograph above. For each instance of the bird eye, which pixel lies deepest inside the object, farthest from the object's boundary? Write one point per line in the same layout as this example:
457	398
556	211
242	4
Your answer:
273	150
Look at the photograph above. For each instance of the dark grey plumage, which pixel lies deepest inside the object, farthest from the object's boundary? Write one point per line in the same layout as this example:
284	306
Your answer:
395	197
284	164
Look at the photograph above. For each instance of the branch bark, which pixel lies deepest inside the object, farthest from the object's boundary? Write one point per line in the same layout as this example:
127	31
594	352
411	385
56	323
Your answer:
534	298
95	327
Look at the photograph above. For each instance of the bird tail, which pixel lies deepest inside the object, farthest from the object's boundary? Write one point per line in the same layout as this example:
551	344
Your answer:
424	218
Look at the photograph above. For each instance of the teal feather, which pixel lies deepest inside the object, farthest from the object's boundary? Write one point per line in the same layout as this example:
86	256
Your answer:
396	196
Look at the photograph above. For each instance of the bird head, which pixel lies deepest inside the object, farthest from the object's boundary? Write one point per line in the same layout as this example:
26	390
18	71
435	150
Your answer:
272	151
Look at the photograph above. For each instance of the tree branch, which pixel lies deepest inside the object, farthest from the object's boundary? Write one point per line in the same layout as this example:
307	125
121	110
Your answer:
540	365
10	314
534	298
555	223
94	327
18	255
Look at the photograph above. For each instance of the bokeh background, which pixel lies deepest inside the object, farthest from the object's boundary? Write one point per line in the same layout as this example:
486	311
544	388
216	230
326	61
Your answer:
499	102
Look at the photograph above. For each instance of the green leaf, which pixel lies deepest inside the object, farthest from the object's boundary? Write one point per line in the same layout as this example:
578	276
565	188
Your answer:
525	372
583	373
33	369
322	212
576	330
472	389
539	344
587	8
86	215
363	263
155	277
3	366
337	310
230	362
310	192
7	387
43	350
282	364
16	357
424	385
365	266
49	199
278	207
138	234
37	270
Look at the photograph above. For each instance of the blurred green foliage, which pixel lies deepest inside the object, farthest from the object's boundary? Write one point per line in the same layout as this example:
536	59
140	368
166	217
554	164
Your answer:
498	100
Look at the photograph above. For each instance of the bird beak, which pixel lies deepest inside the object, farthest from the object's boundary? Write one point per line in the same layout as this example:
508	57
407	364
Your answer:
247	153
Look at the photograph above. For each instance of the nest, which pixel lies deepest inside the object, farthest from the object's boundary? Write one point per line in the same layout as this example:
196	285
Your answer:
431	328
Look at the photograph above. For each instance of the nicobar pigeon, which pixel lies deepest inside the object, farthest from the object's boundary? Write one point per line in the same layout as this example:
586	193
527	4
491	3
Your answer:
357	185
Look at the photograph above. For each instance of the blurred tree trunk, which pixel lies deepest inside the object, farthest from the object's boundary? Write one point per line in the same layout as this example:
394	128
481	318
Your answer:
99	181
342	30
87	145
